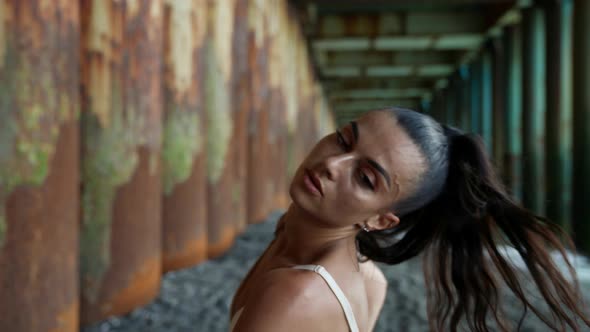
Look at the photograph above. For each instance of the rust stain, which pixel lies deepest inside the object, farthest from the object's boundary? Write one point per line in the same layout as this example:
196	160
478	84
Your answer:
140	289
39	218
192	253
225	241
67	320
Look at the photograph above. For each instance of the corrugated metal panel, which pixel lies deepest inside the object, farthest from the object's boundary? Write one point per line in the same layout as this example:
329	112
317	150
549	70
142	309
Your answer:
121	125
39	165
183	151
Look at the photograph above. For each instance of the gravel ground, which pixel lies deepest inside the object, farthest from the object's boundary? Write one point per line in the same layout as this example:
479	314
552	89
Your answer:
198	298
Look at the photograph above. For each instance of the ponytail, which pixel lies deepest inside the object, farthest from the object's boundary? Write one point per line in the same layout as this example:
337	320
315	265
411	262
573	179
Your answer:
461	232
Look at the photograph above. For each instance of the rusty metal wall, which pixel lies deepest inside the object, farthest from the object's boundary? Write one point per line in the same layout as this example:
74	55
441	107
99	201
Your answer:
220	127
145	138
120	166
39	165
184	239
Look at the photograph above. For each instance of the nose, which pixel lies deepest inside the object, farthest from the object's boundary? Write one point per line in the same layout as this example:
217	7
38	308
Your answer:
334	165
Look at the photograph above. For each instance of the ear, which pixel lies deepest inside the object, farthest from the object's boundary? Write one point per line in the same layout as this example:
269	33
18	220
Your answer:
382	221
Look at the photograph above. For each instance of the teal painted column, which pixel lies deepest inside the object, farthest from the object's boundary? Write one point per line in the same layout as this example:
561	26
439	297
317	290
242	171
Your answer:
450	103
498	107
533	104
458	96
581	180
425	106
465	111
559	111
512	39
433	105
475	90
439	112
486	99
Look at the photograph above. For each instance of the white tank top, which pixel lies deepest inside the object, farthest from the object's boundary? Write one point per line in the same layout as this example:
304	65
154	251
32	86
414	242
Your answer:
352	325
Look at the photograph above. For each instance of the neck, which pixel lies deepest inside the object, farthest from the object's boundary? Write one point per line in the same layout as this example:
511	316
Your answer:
306	239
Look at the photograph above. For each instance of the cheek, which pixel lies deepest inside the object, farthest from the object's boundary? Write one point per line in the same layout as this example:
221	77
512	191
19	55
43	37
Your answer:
353	203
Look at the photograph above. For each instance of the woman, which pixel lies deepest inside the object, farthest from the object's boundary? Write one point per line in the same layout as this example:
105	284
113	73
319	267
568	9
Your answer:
385	188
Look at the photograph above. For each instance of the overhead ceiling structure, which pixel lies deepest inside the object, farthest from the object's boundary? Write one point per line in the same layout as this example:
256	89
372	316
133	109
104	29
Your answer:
375	53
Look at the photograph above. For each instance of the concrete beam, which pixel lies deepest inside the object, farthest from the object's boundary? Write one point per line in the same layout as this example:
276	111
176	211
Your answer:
330	58
432	70
378	93
401	23
376	83
422	42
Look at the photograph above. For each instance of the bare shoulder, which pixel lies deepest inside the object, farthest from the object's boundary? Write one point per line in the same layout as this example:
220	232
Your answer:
289	300
376	286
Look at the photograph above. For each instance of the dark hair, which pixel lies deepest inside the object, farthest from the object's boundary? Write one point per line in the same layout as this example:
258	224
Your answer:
459	214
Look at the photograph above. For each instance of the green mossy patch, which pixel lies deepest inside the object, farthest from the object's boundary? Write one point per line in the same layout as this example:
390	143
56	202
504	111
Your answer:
109	162
182	142
31	120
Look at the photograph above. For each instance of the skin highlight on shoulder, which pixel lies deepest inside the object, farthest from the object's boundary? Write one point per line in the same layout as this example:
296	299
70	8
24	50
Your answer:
289	300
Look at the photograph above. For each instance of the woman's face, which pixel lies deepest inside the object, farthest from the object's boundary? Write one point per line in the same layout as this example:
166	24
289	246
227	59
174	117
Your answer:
362	169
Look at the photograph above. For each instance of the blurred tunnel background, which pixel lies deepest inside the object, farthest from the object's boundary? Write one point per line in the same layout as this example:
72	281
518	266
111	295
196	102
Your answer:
146	146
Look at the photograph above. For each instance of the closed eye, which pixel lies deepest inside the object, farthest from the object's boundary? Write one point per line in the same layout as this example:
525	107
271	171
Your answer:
365	181
341	141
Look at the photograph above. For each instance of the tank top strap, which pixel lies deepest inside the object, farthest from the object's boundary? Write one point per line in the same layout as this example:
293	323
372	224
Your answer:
353	326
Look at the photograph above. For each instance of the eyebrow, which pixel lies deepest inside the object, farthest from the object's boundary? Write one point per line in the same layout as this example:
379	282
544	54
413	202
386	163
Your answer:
379	168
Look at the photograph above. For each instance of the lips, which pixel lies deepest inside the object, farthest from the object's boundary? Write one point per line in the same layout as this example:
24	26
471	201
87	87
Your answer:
315	180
